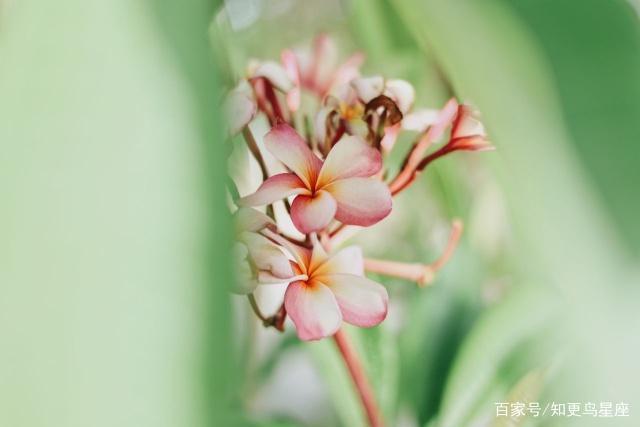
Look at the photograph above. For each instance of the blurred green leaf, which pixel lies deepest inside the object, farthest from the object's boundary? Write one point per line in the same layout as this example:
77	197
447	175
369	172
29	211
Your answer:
495	337
526	390
113	298
594	52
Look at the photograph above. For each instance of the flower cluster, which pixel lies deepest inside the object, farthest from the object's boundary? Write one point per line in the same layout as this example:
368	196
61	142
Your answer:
331	129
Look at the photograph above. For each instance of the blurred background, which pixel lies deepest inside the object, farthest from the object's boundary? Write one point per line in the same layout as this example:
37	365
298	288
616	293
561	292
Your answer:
114	234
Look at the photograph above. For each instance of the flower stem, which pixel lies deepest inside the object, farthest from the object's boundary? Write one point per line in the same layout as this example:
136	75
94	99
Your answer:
365	392
255	308
253	147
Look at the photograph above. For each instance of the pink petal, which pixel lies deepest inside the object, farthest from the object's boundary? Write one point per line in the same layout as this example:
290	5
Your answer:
313	213
325	60
289	147
290	63
445	118
401	92
318	256
349	70
361	201
348	260
274	188
350	157
467	123
368	88
362	301
390	137
313	309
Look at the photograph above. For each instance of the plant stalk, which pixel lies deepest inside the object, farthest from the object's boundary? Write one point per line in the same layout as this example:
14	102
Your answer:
365	392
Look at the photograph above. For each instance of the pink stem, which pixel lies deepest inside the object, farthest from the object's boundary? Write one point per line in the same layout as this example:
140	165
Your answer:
365	392
422	274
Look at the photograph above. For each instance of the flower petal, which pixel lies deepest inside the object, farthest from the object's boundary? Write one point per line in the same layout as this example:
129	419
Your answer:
349	70
313	213
275	73
348	260
401	92
325	60
247	219
244	282
368	88
445	118
274	188
350	157
362	301
289	147
313	309
390	137
420	120
266	256
290	63
320	125
318	256
239	107
361	201
467	123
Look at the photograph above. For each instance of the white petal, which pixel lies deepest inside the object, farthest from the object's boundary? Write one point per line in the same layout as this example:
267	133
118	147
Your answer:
267	256
247	219
420	120
276	74
239	107
368	88
401	92
348	260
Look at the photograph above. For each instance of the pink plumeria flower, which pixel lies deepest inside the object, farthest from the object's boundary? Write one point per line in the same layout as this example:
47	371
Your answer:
468	132
240	104
337	188
332	289
258	261
317	69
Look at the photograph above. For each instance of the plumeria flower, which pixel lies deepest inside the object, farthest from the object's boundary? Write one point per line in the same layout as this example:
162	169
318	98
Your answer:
317	69
468	132
331	289
272	71
241	103
360	107
400	91
258	260
337	188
